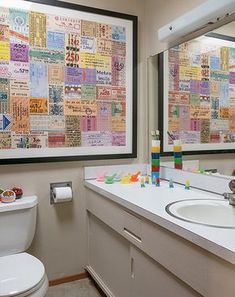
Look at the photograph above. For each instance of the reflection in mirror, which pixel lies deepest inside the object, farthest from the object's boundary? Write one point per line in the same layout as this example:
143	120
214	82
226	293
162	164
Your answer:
197	96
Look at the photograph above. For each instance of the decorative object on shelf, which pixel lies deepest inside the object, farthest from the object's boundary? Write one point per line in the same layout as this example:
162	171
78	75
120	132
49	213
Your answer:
158	181
187	185
171	184
101	177
177	147
68	82
147	179
8	196
142	182
18	192
155	156
109	179
135	177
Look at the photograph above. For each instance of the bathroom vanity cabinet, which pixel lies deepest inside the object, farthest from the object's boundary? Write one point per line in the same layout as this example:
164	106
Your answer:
131	256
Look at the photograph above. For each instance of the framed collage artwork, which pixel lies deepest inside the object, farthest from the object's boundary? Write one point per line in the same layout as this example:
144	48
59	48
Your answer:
68	82
197	96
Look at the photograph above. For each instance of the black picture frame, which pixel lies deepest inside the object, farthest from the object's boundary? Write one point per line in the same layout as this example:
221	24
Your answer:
132	153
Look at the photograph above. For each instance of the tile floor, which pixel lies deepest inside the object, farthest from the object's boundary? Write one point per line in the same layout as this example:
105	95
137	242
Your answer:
81	288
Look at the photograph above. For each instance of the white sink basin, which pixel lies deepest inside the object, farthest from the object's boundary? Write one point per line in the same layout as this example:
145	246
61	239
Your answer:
209	212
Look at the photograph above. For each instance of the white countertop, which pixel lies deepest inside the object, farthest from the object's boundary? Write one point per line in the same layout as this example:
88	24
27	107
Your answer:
150	203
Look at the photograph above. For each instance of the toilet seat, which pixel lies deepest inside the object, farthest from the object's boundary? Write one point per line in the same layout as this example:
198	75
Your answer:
20	274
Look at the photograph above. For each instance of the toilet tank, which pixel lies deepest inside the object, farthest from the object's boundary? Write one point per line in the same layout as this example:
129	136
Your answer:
17	225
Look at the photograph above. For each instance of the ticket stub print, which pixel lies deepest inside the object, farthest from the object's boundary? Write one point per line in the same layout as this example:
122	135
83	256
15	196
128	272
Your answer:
173	111
224	112
184	59
104	31
56	139
55	40
173	97
118	109
19	108
88	28
118	71
19	70
224	58
189	137
104	117
224	93
119	33
232	78
72	131
88	123
4	96
88	92
4	106
118	139
214	63
38	77
215	103
4	16
55	74
97	61
4	70
38	105
215	114
35	140
63	24
47	123
195	125
4	50
119	123
56	109
72	46
88	108
118	93
88	44
19	88
195	86
184	112
231	59
19	52
173	77
173	124
96	139
189	72
104	93
184	85
72	92
219	75
46	56
4	33
219	125
214	137
184	124
119	48
104	47
19	26
37	34
205	131
56	94
173	55
5	140
73	76
195	59
88	76
72	107
199	112
5	122
214	88
103	77
205	100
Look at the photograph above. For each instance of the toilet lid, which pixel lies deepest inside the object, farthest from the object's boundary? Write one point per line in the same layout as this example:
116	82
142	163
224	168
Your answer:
19	273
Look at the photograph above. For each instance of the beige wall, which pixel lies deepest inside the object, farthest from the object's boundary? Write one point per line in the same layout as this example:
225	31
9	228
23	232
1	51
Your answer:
61	229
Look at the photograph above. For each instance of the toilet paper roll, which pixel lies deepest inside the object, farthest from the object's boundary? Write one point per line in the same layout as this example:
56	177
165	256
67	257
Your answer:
62	194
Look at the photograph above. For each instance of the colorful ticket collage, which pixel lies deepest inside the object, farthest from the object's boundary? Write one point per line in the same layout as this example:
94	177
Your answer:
201	93
62	81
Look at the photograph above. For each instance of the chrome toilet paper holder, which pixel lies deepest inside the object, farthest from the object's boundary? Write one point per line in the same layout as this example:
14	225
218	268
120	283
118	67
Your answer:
58	185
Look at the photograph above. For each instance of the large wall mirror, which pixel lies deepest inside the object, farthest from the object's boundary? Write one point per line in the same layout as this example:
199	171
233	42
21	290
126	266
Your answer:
194	82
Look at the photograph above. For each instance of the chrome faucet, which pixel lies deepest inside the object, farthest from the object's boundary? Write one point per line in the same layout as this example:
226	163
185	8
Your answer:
231	196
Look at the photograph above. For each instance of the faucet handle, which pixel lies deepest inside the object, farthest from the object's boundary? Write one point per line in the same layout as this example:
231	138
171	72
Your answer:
232	185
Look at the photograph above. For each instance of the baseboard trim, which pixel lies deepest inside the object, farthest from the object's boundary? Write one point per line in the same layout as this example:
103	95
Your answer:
99	281
68	279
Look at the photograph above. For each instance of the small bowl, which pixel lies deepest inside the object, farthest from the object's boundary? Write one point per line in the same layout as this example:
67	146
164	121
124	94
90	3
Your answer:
8	196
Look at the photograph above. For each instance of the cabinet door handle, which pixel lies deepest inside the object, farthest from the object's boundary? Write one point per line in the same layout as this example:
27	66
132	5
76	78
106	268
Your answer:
132	235
132	268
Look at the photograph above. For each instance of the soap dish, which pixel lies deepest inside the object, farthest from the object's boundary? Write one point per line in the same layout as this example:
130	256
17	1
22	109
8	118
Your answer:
8	196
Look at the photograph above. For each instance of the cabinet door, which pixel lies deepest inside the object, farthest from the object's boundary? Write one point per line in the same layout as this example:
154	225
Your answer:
109	257
150	279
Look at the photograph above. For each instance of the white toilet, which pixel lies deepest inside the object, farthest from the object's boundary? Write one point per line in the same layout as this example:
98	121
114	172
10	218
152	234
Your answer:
20	273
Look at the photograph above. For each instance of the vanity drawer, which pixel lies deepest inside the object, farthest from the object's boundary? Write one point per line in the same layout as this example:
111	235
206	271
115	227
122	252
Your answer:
132	227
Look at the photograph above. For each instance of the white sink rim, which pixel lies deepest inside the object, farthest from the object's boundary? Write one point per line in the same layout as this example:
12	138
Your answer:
197	222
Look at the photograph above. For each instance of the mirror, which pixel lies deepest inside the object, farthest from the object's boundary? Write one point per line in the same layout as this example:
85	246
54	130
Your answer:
215	104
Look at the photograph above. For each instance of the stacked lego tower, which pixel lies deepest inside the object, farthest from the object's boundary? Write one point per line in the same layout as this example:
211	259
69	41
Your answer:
155	158
177	146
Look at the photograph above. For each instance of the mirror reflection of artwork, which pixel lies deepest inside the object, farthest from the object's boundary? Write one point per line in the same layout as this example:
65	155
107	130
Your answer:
198	94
